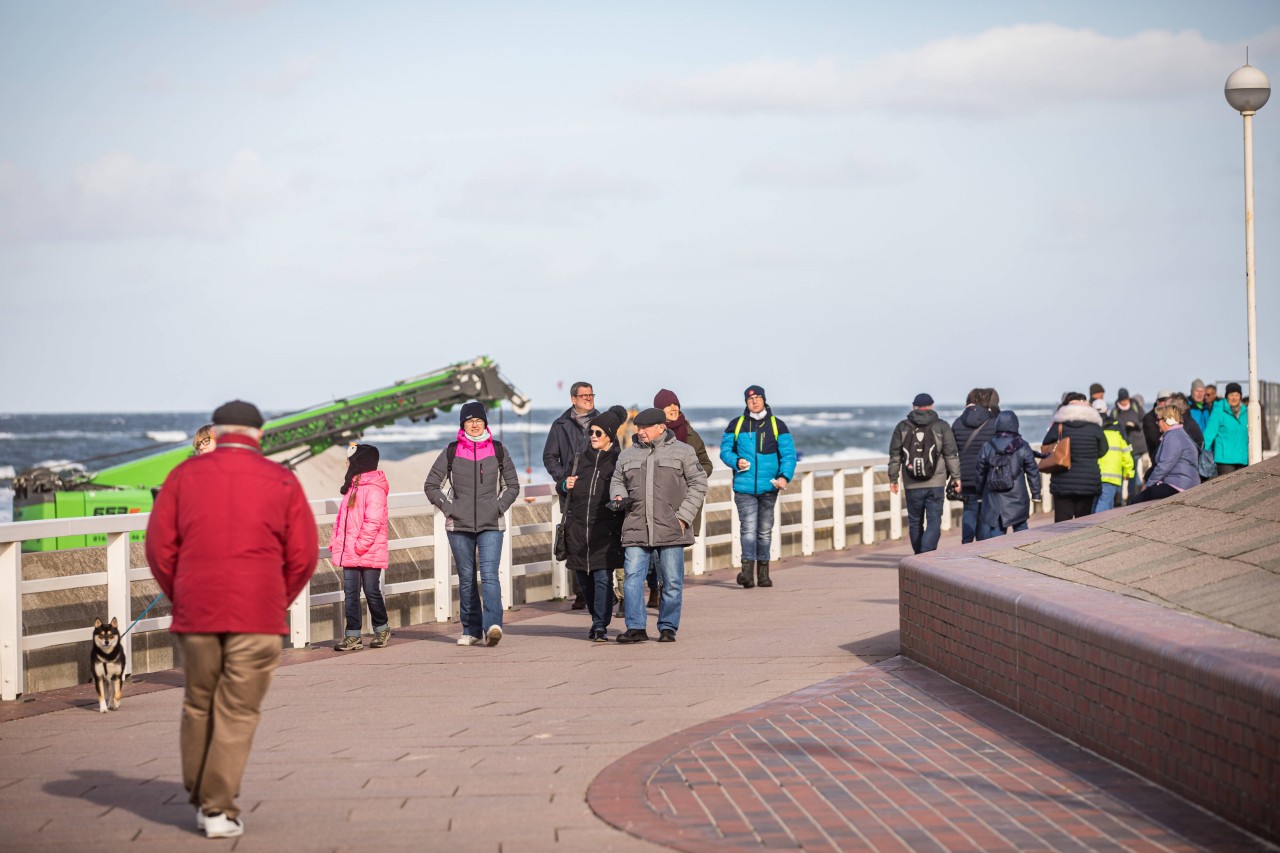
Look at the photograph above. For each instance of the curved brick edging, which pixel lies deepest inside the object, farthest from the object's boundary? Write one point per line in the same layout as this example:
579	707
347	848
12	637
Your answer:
1189	703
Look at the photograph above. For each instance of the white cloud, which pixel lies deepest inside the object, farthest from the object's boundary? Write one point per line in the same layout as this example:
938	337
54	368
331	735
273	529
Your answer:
521	190
119	196
864	166
286	80
1002	71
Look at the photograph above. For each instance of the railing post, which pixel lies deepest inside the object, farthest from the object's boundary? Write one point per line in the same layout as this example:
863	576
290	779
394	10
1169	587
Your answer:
504	562
441	571
838	542
775	542
895	513
700	546
1046	502
735	532
300	618
11	679
118	590
806	514
868	505
559	571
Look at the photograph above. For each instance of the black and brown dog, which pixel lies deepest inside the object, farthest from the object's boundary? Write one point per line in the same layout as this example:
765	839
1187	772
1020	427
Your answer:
108	663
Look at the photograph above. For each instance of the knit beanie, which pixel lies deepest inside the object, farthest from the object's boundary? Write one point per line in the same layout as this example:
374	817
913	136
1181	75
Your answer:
361	459
666	398
474	409
1234	387
1197	384
610	421
754	389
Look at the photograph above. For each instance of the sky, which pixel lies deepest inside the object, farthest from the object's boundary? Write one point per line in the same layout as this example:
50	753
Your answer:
844	202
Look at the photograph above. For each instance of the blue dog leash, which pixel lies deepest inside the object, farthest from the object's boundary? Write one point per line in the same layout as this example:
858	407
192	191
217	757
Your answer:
143	613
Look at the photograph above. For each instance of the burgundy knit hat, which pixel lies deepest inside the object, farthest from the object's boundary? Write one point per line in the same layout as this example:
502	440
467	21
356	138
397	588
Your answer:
665	398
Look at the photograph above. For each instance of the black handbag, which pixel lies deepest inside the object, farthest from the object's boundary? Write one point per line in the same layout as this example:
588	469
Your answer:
560	547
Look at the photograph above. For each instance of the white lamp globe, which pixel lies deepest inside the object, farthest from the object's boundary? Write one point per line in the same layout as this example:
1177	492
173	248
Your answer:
1247	89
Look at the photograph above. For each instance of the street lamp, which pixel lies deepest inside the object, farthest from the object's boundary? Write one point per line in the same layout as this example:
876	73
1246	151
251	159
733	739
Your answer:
1247	90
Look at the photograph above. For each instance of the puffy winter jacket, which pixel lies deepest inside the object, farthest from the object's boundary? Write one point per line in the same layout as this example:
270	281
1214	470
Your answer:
666	485
948	467
975	426
1117	466
1002	510
754	440
481	489
1176	461
566	438
1228	434
1083	425
231	541
593	532
359	538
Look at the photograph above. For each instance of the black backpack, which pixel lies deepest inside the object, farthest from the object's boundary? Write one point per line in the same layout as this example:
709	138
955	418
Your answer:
451	453
920	452
1000	477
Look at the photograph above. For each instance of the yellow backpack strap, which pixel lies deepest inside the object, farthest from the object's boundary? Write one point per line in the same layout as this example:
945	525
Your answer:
737	428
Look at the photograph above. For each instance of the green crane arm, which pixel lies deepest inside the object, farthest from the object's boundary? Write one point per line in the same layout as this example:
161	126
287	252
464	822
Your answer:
314	430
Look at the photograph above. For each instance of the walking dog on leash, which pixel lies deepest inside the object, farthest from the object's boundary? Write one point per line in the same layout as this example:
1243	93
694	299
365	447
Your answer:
107	662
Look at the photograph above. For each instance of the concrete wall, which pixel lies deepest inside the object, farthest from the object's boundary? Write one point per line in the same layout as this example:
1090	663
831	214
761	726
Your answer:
1189	703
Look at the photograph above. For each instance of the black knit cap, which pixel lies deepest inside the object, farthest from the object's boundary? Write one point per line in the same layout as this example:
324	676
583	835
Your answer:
238	413
1234	387
754	389
651	417
361	459
471	410
610	421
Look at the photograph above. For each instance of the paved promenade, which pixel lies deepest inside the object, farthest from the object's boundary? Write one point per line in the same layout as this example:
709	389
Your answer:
768	724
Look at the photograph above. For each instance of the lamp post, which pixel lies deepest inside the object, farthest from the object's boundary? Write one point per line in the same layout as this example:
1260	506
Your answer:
1247	90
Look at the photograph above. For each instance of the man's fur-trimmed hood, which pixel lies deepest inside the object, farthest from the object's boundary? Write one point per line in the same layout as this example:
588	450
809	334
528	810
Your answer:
1075	413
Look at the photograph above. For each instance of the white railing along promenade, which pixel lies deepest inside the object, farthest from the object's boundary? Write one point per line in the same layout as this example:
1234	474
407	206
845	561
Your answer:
853	492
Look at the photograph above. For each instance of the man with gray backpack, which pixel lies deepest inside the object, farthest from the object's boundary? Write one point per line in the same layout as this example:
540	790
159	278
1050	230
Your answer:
923	451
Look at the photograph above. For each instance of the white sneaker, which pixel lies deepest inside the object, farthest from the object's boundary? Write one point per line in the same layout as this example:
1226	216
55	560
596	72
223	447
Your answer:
468	640
221	826
199	820
493	635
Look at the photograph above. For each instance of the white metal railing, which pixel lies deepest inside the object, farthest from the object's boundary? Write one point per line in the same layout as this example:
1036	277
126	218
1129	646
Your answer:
851	478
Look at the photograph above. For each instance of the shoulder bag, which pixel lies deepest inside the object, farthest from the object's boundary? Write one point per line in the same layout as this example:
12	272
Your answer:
560	546
1058	456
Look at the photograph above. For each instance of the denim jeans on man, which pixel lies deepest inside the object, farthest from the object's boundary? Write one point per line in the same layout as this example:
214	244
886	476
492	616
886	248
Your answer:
670	562
971	526
352	580
476	620
755	513
1107	499
924	518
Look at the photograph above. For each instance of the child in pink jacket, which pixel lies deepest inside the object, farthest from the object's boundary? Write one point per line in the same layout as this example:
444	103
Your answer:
359	545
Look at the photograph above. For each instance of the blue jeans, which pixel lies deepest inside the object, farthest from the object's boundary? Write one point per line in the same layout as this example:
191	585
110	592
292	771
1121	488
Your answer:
971	526
488	543
755	512
352	580
597	591
1107	499
924	518
635	563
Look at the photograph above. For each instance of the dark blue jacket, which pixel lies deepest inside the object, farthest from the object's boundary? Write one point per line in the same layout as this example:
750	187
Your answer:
755	442
1001	510
974	419
565	440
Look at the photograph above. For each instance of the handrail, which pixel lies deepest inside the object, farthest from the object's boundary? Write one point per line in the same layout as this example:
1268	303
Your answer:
853	495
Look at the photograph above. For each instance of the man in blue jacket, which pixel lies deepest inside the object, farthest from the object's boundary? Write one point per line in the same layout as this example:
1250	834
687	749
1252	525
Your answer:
759	449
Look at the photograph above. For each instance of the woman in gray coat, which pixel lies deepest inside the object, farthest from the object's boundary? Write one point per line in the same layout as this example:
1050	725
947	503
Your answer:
483	485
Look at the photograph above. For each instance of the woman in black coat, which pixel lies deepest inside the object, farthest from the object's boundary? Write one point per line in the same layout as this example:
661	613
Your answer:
1006	508
1074	490
593	532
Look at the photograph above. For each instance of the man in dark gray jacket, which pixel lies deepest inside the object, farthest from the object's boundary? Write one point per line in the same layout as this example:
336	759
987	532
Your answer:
923	450
660	481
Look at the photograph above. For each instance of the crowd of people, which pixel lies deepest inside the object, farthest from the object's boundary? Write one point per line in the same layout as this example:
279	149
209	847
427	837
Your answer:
1093	452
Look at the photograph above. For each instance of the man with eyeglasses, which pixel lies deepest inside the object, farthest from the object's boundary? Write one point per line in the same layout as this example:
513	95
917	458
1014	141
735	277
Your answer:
660	483
567	438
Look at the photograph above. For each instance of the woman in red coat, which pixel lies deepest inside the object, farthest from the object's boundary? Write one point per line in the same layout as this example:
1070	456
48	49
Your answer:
359	545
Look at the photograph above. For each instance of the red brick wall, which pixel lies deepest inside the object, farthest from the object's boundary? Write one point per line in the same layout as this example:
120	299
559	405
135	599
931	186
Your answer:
1189	703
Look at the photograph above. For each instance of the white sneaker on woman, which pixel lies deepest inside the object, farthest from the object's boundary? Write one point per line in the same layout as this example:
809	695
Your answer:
220	826
468	640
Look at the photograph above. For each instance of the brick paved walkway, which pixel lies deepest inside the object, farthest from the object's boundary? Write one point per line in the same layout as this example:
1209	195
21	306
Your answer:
892	757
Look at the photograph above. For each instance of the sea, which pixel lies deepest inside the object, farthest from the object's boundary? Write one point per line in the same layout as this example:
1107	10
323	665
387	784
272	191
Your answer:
93	441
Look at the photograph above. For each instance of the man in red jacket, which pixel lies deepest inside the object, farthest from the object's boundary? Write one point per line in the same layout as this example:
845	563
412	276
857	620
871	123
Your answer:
231	542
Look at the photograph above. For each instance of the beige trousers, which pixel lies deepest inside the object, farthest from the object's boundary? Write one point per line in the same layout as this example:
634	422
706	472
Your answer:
227	676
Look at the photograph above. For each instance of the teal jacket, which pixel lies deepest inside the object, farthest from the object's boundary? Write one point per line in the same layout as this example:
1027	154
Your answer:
1228	434
766	444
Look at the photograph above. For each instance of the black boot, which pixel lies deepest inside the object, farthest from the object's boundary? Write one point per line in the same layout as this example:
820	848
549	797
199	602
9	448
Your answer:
762	574
747	577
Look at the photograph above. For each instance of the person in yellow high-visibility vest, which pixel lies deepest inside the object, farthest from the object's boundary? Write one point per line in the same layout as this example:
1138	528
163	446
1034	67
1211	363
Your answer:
1116	467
